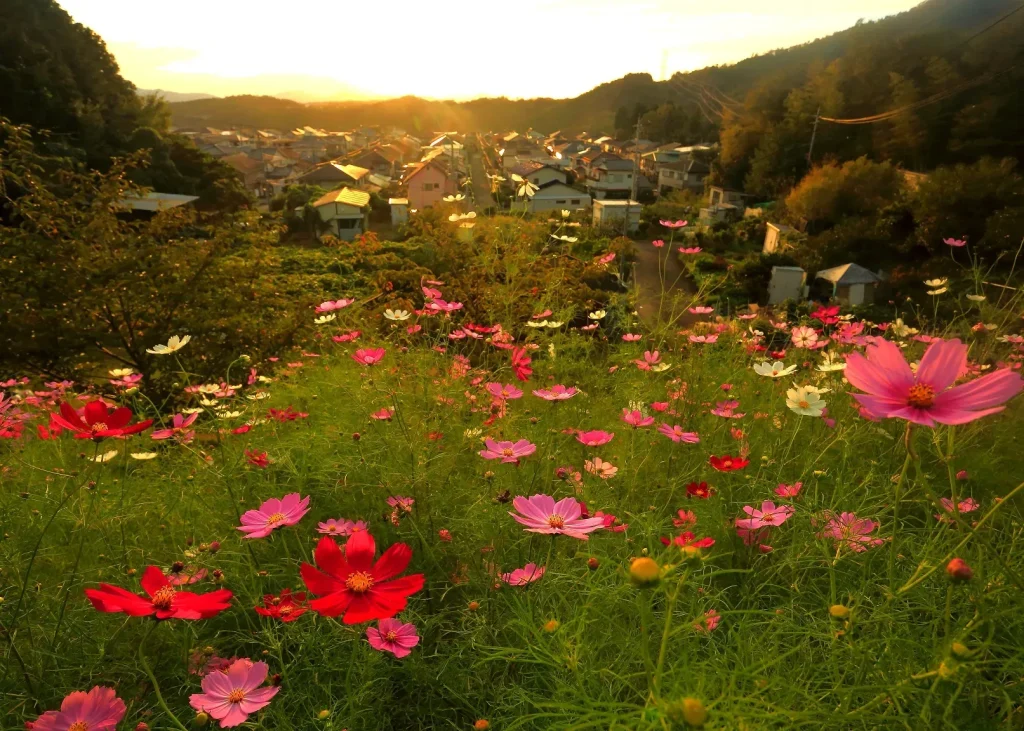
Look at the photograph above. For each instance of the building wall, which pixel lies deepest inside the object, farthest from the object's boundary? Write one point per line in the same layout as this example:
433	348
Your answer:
771	240
545	175
428	188
570	203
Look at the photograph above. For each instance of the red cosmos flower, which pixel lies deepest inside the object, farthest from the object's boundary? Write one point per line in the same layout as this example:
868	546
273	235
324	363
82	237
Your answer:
96	421
725	463
689	539
286	414
353	585
287	607
521	364
257	459
699	490
826	315
368	356
164	600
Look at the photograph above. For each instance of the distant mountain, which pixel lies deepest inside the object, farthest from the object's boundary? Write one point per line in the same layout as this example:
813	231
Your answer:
173	96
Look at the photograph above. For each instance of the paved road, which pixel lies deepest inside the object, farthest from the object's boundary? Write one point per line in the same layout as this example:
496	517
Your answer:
481	183
651	299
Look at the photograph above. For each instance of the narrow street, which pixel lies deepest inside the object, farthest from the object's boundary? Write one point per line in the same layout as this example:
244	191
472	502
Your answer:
651	299
481	183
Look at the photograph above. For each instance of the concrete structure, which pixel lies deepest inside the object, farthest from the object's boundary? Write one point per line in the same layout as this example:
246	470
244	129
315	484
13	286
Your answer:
399	210
852	284
613	213
552	196
685	174
787	283
154	202
774	237
346	211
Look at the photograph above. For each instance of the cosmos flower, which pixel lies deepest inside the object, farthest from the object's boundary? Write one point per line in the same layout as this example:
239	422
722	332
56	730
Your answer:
330	306
725	463
507	452
636	419
689	249
334	527
164	601
803	337
354	585
805	400
778	369
957	243
557	392
964	506
287	606
599	468
521	577
231	696
701	310
767	516
394	636
851	532
541	514
368	356
894	391
96	421
699	490
594	438
678	435
657	243
673	224
273	514
324	319
174	344
98	710
788	491
631	337
396	315
179	428
507	391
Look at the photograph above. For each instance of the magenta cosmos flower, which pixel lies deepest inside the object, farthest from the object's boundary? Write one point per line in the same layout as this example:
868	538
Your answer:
98	710
273	514
507	451
556	393
343	527
636	419
673	224
368	356
179	428
230	696
507	391
392	635
849	531
769	515
527	575
332	305
594	438
677	435
954	242
541	514
894	391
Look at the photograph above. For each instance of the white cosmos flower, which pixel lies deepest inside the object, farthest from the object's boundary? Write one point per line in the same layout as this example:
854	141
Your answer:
230	414
971	297
901	329
553	323
105	457
208	388
830	362
192	410
934	283
566	239
472	433
174	344
565	213
208	401
396	314
453	198
937	292
778	369
143	455
265	379
121	372
258	396
597	315
325	318
660	367
536	323
805	400
814	389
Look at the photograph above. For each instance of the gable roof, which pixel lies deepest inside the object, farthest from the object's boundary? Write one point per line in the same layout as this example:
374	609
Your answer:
154	201
243	163
556	188
346	196
848	274
418	168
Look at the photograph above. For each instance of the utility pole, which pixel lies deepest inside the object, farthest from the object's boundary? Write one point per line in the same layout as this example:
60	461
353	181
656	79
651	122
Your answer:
814	134
636	174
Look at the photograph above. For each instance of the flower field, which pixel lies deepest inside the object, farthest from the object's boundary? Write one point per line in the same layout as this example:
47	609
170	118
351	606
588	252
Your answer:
422	520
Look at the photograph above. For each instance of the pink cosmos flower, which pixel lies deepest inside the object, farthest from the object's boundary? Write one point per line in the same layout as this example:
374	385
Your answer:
673	224
541	315
346	337
769	515
507	452
660	406
702	310
689	249
231	696
657	243
330	306
368	356
686	518
384	414
541	514
334	527
556	393
636	419
954	242
849	531
400	502
527	575
677	435
521	361
784	490
605	258
599	468
272	514
594	438
508	391
803	337
748	316
413	329
631	337
98	710
964	506
394	636
894	391
704	339
708	622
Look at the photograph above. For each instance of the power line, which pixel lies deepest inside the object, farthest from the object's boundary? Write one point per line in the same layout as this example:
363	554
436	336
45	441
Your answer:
988	27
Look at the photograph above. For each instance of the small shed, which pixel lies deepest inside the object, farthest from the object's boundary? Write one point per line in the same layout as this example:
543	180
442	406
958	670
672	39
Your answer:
154	202
773	237
614	213
345	211
852	284
787	283
399	210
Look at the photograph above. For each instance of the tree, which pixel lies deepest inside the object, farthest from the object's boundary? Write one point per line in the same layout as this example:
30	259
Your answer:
830	193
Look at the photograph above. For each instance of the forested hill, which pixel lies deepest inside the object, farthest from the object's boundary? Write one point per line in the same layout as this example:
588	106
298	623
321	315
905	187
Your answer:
933	28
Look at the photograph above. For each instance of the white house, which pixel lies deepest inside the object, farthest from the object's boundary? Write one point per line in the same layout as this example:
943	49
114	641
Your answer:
613	213
773	237
538	173
852	284
346	211
399	210
787	283
554	195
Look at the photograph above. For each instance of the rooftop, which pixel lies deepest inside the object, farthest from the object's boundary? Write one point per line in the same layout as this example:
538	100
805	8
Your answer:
346	196
154	201
848	274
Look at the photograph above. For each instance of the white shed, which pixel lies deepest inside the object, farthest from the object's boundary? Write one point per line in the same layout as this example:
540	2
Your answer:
345	211
773	237
787	283
613	213
399	210
852	284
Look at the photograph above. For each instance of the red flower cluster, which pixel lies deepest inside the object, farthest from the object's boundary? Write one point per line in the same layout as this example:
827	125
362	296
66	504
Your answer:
288	414
726	463
164	600
96	421
287	607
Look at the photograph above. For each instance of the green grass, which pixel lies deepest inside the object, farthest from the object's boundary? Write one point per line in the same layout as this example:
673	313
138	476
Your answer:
778	660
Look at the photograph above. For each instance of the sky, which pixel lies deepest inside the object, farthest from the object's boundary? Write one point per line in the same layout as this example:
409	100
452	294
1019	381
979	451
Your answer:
459	49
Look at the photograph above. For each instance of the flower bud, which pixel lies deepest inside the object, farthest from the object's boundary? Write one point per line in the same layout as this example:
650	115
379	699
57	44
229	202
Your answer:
593	563
960	650
551	625
839	611
244	358
644	571
142	726
132	391
202	718
689	710
958	570
482	725
324	715
473	606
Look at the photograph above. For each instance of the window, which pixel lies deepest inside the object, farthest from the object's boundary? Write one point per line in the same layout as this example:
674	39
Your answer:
348	223
575	201
560	203
536	181
430	186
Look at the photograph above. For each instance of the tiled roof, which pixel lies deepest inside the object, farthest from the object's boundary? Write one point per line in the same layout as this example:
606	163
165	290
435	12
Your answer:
357	198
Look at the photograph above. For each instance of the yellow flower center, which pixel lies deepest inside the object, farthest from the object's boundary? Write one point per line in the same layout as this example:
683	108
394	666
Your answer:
507	453
556	521
163	597
921	396
359	582
286	609
804	405
79	726
236	696
391	636
275	518
98	427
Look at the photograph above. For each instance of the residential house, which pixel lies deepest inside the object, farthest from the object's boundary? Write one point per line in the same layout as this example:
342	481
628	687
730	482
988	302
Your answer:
252	172
610	178
333	175
553	196
774	237
373	161
616	213
718	196
345	211
685	174
538	173
426	184
852	284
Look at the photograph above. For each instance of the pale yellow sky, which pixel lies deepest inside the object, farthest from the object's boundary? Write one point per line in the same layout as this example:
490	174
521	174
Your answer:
457	49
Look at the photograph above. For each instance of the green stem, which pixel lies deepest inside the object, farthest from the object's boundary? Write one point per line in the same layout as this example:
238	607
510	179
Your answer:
896	510
670	608
152	679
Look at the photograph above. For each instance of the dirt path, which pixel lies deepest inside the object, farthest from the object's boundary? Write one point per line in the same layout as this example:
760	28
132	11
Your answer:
678	287
481	183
